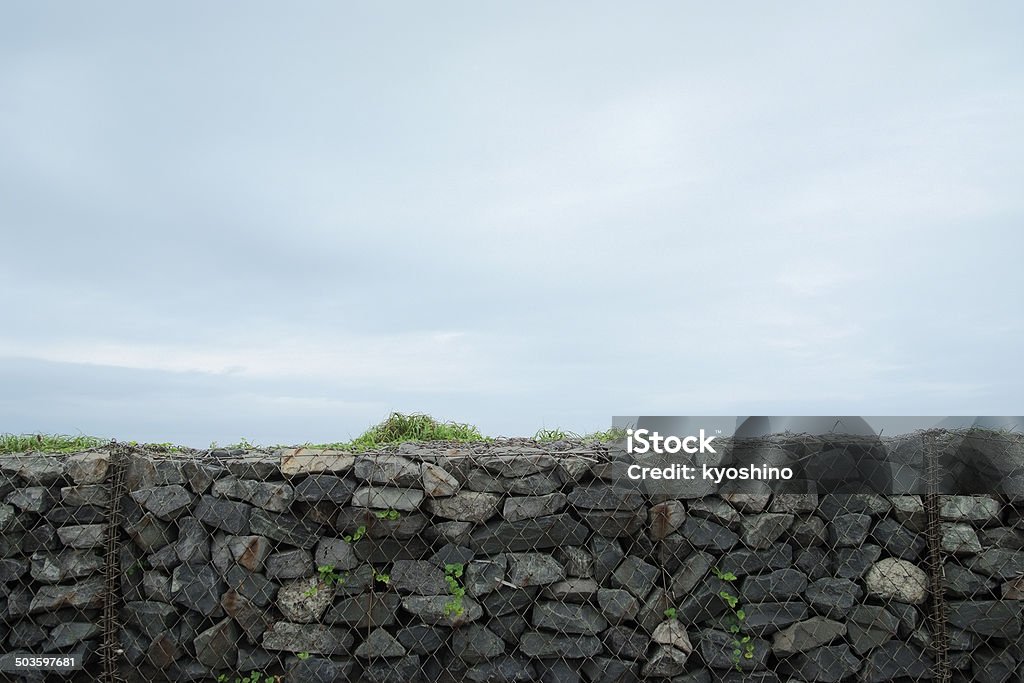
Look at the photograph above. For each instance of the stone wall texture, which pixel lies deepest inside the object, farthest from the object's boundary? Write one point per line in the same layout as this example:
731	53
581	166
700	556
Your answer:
506	561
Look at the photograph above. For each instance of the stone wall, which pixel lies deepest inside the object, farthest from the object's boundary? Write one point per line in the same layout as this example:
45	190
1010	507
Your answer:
512	561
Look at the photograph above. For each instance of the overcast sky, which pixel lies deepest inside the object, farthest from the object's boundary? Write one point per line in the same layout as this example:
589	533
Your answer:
251	219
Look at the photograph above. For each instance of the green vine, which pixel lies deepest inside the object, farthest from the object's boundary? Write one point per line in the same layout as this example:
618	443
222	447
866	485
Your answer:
389	514
252	677
742	647
452	574
327	576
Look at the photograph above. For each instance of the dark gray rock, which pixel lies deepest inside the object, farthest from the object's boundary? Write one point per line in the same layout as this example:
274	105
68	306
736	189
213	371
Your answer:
193	544
617	605
526	507
335	552
475	644
998	563
441	610
809	532
269	495
849	531
870	626
284	528
814	562
422	639
741	562
853	563
484	576
606	554
608	670
636	576
316	670
502	670
897	540
993	667
693	570
66	634
197	587
83	535
605	497
324	487
509	600
960	582
835	504
1000	618
715	510
518	465
253	620
959	539
716	649
217	646
384	468
418	576
200	475
466	506
256	587
763	530
166	502
614	523
833	597
781	584
370	610
896	659
387	498
37	499
978	510
765	618
707	535
50	567
665	662
806	635
542	644
568	618
529	534
829	664
509	627
290	564
705	601
86	594
225	515
312	638
379	643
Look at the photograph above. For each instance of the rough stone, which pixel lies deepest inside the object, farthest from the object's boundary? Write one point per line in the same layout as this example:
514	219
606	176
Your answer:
466	506
744	561
665	518
284	528
475	644
438	609
392	670
852	563
897	540
665	662
533	569
617	605
295	461
370	610
781	584
49	567
484	576
35	469
312	638
418	576
336	553
870	626
36	499
960	582
849	531
763	530
747	502
894	660
93	494
605	497
422	639
437	482
379	643
708	535
273	496
1000	618
387	498
88	468
568	618
383	468
544	644
833	597
217	646
197	587
715	510
835	504
290	564
614	523
979	510
895	579
83	535
636	576
518	465
716	649
806	635
324	487
959	539
304	600
166	502
794	503
809	532
315	670
998	563
828	664
225	515
529	534
527	507
765	618
86	594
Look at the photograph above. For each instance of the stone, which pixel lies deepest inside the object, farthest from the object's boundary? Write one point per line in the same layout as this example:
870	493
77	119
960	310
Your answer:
744	561
794	503
217	646
960	582
36	499
852	563
336	553
35	469
665	662
295	461
672	634
304	600
466	506
835	504
665	518
225	515
379	643
370	610
692	571
66	634
747	502
387	498
437	482
849	531
833	597
422	639
312	638
193	544
197	587
814	562
568	618
978	510
518	465
617	605
86	594
909	511
318	488
166	502
614	523
12	569
392	670
94	494
763	530
765	618
636	576
605	497
65	515
253	620
999	618
49	567
475	644
1014	589
284	528
809	532
88	468
716	510
384	468
626	642
894	660
379	551
149	617
704	602
442	609
870	626
200	475
527	507
829	664
533	569
452	554
450	532
253	586
707	535
249	551
806	635
716	649
897	540
999	537
895	579
781	584
83	535
484	576
273	496
998	563
529	534
315	670
290	564
418	576
959	539
608	670
508	600
543	644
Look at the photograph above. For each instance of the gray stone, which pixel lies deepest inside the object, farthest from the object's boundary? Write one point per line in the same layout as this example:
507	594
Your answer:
568	618
290	564
249	551
895	579
665	662
65	515
614	523
814	562
484	576
255	587
959	539
898	540
529	534
370	610
763	530
442	609
295	461
636	576
379	643
387	498
909	511
283	528
466	506
312	638
66	634
452	554
145	471
834	504
35	469
716	649
324	487
200	475
693	570
149	617
665	518
809	532
533	569
507	600
998	563
31	499
999	537
703	602
383	468
672	634
474	644
83	536
1000	618
88	468
849	531
526	507
305	600
86	594
794	503
828	664
422	639
708	535
960	582
12	569
894	660
273	496
716	510
748	502
392	670
166	502
743	561
781	584
853	563
606	553
518	465
617	605
765	618
418	576
806	635
253	620
437	482
93	494
608	670
316	670
870	626
543	644
833	597
197	587
450	532
193	544
605	497
979	510
48	567
380	551
336	553
225	515
217	646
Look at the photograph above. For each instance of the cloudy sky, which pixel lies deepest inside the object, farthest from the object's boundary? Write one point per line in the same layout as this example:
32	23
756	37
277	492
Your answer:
245	219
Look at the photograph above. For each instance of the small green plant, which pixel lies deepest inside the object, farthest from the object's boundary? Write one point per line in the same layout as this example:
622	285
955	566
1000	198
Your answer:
452	574
670	613
382	577
390	515
355	535
742	647
327	576
135	568
303	656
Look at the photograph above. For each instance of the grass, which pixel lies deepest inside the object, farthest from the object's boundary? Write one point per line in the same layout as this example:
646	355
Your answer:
49	443
415	427
549	435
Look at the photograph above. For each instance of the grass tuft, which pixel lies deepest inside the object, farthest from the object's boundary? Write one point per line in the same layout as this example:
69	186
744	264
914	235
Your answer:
48	443
549	435
401	428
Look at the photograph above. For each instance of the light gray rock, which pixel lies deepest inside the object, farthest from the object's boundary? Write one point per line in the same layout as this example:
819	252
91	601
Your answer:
636	576
305	600
466	506
226	515
959	539
88	468
83	535
284	528
526	507
894	579
978	510
249	551
419	577
166	502
715	510
87	494
296	461
437	482
35	469
390	469
387	498
442	610
312	638
31	499
763	530
518	465
533	569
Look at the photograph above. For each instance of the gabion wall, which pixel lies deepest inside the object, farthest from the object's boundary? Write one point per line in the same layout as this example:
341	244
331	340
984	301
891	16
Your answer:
493	562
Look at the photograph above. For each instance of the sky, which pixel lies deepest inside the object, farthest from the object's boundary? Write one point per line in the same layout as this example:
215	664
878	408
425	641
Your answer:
227	220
